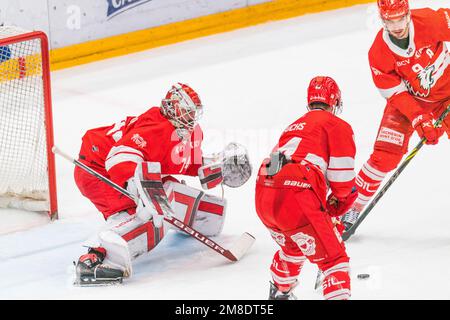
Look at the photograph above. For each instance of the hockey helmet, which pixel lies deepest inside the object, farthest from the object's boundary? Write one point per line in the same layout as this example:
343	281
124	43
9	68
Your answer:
325	90
182	106
393	9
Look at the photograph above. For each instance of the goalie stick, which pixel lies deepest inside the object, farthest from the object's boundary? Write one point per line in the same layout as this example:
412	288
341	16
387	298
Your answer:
351	231
159	198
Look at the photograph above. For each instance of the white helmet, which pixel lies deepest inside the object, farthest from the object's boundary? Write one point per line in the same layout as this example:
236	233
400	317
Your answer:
182	106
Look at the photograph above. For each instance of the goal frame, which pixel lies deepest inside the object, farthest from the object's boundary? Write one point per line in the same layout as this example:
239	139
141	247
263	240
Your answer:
32	35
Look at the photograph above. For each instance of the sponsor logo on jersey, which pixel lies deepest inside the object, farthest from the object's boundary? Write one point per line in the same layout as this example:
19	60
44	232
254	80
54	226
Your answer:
140	142
299	184
296	127
331	282
366	186
391	136
403	63
426	78
306	243
116	7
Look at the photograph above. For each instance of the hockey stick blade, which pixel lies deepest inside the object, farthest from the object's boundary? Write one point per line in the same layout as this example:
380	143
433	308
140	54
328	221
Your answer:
241	246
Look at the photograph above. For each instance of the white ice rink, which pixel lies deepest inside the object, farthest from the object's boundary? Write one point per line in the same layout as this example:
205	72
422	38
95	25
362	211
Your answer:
253	83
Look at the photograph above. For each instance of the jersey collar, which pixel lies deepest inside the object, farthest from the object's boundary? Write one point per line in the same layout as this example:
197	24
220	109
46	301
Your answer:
408	52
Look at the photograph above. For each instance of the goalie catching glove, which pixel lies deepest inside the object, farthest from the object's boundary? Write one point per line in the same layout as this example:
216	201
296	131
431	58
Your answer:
231	167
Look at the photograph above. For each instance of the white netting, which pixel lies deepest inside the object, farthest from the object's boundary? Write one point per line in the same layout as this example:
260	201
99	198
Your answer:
23	149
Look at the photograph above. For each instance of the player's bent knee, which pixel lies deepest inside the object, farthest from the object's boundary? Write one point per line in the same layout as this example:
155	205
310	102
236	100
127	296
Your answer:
385	161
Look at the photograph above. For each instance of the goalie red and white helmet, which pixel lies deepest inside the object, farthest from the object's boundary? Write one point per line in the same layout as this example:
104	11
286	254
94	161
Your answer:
182	106
393	9
325	90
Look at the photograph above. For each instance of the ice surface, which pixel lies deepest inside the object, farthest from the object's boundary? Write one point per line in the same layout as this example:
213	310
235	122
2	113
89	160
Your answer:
253	83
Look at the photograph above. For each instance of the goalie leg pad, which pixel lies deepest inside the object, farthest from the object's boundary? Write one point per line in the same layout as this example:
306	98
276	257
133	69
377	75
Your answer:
203	212
125	237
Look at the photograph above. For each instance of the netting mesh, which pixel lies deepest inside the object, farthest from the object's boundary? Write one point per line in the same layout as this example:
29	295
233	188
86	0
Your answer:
23	149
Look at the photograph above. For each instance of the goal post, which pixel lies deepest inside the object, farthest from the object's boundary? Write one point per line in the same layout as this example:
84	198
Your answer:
27	164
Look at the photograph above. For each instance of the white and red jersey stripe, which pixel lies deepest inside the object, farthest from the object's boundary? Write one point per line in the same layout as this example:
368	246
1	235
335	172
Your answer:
120	154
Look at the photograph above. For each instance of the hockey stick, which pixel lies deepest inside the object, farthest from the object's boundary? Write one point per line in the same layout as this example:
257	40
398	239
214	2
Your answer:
351	231
235	253
347	234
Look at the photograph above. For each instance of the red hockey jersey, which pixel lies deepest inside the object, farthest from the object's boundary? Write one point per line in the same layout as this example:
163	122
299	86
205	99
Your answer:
149	137
420	73
326	141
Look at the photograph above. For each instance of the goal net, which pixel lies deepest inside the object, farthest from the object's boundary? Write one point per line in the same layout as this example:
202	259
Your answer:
27	173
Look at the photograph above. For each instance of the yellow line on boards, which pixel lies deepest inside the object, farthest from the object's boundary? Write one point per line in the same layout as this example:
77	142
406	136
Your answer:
190	29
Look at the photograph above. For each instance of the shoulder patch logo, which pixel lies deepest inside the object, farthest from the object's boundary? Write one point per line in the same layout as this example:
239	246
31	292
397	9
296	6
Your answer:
141	143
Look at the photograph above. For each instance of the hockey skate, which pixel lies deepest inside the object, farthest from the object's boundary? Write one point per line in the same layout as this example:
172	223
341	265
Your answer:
350	218
276	294
91	272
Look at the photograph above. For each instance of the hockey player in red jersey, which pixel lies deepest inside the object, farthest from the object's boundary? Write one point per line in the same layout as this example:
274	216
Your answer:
409	62
168	138
315	151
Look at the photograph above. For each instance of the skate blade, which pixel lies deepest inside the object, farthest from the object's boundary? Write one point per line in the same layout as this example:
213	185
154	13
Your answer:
97	282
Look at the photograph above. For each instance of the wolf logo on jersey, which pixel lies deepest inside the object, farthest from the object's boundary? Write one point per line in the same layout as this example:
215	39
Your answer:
426	78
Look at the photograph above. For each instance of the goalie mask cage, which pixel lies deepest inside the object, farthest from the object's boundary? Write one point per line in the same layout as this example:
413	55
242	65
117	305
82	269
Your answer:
27	165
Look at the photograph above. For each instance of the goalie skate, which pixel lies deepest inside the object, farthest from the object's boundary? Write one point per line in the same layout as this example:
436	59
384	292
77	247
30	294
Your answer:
90	271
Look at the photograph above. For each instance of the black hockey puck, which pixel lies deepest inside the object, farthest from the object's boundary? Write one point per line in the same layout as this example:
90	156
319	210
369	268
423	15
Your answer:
363	276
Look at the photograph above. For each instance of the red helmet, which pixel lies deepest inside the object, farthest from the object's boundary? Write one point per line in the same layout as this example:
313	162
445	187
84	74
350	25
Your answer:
182	106
325	90
393	9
